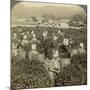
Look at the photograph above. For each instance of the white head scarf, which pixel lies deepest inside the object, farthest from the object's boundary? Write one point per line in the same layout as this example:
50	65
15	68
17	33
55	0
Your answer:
34	36
81	45
55	38
32	32
14	36
24	37
59	31
55	53
33	47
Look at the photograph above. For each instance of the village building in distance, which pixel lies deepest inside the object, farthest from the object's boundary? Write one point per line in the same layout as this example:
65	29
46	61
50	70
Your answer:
42	22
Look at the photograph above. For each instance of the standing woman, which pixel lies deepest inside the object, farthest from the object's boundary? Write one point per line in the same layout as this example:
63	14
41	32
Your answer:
32	54
53	66
25	45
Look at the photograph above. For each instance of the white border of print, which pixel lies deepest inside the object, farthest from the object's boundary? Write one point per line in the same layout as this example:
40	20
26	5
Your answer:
5	44
61	1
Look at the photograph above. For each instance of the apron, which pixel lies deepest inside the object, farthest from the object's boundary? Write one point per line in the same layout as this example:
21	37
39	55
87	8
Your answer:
66	42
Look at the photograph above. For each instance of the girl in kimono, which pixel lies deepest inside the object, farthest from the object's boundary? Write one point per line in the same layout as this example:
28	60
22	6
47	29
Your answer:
53	67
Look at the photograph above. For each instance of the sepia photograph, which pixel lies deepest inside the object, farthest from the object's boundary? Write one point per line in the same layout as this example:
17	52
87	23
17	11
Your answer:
48	45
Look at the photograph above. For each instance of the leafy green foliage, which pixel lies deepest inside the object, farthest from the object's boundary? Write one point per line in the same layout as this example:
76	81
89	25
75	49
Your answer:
29	74
74	74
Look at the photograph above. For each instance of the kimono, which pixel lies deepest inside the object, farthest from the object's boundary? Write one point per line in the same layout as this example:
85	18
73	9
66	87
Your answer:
53	66
25	44
33	54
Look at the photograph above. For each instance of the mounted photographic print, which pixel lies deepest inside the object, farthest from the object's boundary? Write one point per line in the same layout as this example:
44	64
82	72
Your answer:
48	45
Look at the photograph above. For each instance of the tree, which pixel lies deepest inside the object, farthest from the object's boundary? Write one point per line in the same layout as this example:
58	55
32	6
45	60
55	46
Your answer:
34	18
79	18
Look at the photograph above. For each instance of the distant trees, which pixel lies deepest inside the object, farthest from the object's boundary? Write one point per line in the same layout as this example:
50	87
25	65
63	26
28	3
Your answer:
79	18
46	17
34	18
76	19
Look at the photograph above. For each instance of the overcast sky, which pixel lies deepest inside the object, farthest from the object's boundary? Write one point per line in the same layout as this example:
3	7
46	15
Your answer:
38	9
